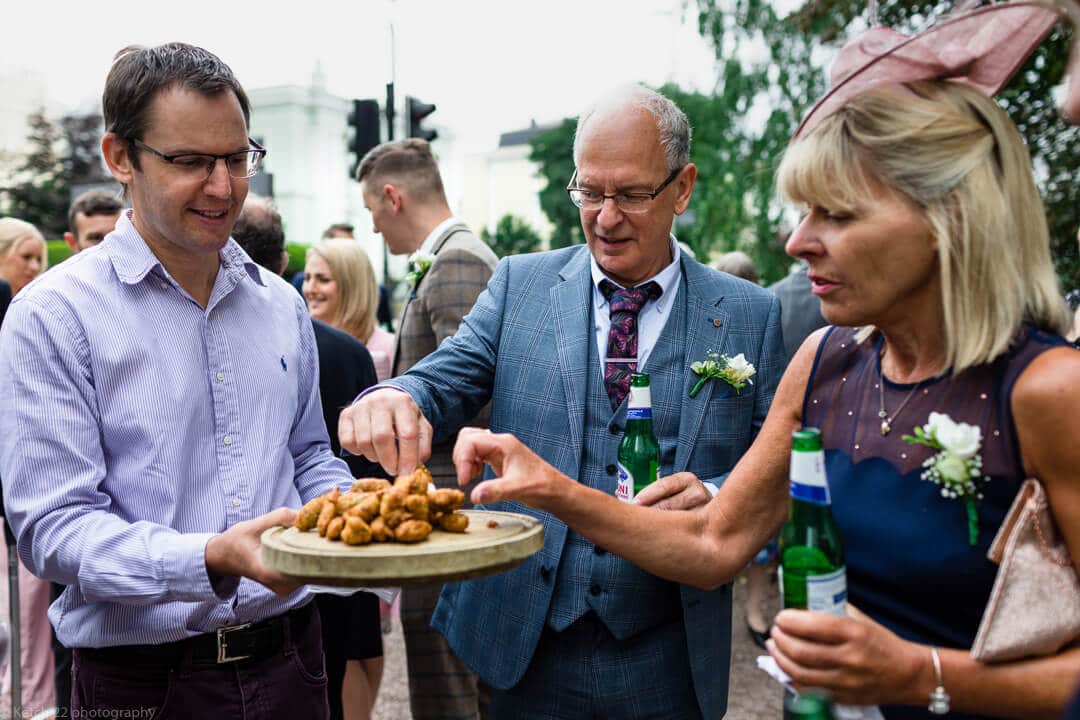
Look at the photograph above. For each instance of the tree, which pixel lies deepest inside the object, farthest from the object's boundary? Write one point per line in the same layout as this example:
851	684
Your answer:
82	140
39	194
790	78
553	151
512	236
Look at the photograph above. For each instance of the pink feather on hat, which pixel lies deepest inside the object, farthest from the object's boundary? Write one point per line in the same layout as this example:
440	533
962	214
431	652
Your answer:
982	48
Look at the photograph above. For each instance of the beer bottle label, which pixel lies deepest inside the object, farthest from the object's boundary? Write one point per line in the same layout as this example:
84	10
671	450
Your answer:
827	593
808	478
624	489
644	413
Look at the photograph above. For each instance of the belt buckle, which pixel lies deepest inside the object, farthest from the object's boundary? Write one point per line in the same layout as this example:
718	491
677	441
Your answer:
223	645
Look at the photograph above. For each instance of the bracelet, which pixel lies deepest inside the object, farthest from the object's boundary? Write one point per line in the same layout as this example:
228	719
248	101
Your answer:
939	699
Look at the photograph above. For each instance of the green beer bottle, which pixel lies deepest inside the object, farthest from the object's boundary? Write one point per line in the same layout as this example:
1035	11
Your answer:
808	706
639	453
812	575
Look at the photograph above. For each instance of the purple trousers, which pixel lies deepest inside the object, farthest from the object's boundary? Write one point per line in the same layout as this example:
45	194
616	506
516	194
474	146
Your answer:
288	684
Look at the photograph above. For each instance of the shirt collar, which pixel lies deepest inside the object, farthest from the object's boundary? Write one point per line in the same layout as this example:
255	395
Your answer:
133	260
667	279
428	246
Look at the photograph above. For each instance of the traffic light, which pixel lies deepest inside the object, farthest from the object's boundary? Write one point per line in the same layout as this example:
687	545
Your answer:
363	130
415	112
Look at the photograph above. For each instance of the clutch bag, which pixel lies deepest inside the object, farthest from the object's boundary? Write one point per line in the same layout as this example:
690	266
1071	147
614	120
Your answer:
1034	607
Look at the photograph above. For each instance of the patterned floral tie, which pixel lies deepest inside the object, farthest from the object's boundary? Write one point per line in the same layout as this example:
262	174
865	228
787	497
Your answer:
622	338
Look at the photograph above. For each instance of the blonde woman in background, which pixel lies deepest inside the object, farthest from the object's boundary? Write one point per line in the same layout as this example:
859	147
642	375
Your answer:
22	258
22	253
340	289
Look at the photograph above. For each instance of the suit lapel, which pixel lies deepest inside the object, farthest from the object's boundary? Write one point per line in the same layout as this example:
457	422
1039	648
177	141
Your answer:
706	329
439	243
572	338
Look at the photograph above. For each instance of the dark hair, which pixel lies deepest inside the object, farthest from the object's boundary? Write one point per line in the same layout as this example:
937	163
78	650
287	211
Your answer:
259	231
138	74
338	227
94	202
407	163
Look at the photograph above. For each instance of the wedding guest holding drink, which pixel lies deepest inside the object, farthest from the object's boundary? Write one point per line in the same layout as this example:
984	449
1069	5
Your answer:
943	384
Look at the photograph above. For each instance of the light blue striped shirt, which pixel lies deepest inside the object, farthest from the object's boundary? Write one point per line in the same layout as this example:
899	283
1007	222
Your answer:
136	425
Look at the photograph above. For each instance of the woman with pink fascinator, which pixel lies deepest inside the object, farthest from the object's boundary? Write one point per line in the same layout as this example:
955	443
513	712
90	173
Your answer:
943	383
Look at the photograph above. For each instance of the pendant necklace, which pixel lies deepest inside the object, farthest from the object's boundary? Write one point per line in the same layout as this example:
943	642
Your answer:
886	419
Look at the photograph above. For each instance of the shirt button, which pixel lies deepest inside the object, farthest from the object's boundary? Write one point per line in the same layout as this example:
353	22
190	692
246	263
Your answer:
614	428
595	589
164	285
611	469
227	440
221	377
236	502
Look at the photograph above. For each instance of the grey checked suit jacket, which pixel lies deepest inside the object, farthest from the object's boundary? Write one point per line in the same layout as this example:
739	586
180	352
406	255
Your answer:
524	346
462	267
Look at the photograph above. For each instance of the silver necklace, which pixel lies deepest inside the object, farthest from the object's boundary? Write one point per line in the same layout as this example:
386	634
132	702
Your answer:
886	419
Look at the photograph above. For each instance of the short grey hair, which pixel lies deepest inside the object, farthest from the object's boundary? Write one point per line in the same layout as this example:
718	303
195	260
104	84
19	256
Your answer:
670	120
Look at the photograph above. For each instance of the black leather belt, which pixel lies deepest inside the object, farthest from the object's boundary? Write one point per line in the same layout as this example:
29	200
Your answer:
250	641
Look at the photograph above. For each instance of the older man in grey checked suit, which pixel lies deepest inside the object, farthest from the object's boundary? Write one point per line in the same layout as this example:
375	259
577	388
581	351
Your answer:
576	631
403	190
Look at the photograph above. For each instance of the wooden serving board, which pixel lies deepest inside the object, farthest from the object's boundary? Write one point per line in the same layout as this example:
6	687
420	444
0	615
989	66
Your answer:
442	557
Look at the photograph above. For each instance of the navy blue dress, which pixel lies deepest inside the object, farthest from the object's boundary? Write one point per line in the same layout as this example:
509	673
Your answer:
910	564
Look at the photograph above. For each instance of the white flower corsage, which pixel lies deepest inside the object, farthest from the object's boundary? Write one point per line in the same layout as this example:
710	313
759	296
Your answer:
419	264
735	371
957	465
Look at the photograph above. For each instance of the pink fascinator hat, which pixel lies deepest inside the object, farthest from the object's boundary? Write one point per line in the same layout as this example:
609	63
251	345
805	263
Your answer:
982	48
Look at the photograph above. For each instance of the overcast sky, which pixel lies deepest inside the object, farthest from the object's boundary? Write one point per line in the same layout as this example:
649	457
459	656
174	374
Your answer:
489	65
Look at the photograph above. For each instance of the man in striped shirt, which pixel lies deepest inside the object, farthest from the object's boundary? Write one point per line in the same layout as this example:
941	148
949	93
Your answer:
160	410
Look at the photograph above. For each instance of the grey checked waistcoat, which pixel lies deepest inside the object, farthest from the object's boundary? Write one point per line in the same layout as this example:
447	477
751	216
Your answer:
627	599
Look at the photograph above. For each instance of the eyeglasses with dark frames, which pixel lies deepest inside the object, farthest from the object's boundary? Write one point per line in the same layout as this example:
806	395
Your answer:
240	165
626	202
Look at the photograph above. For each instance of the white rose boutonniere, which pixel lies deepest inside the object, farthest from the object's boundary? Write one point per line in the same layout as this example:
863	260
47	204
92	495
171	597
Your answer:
419	264
956	466
735	371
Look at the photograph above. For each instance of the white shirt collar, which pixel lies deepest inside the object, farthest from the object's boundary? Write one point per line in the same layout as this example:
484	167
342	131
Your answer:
667	279
428	246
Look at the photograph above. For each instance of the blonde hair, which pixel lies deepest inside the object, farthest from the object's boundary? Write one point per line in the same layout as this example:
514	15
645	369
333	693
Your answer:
13	231
957	156
358	292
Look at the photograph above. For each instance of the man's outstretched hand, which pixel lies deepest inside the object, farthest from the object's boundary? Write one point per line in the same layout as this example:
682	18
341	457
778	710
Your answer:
386	427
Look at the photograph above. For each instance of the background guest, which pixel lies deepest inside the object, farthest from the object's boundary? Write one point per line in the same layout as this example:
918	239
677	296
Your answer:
402	188
739	264
23	255
91	217
340	289
22	258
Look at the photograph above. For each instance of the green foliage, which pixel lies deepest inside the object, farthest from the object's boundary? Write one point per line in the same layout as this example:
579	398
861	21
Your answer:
553	150
57	251
40	189
40	196
513	236
297	258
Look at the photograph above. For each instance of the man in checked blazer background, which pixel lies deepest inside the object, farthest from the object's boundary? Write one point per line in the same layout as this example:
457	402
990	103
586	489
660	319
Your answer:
575	631
402	189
